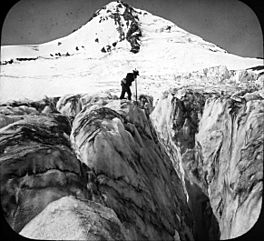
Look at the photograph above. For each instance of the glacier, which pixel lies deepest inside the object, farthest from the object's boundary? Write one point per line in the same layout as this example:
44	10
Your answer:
183	162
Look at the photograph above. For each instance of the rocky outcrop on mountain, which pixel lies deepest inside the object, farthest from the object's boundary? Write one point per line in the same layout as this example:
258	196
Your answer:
126	22
214	137
134	33
12	61
71	219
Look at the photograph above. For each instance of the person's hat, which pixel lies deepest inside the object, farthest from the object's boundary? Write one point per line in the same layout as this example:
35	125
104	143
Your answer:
135	72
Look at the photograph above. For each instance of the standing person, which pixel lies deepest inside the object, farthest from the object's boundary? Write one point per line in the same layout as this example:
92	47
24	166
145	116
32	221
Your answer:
126	83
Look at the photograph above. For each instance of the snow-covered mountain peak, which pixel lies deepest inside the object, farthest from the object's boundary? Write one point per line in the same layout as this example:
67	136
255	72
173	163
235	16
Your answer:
130	21
117	23
114	7
116	39
114	23
115	27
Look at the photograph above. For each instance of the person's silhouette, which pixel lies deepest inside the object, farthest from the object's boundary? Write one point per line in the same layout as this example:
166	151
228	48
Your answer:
126	83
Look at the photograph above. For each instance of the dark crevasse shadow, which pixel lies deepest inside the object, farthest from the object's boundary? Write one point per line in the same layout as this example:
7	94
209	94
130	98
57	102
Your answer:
206	226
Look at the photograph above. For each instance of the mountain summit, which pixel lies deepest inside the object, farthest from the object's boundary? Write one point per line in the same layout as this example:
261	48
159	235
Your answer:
126	23
116	39
118	25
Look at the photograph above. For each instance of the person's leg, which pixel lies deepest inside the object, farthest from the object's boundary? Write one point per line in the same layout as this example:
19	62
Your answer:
122	96
129	93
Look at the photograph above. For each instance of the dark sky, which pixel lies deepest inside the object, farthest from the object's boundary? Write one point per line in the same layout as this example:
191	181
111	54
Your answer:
230	24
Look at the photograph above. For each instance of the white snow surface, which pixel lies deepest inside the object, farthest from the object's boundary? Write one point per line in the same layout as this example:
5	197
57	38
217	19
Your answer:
165	51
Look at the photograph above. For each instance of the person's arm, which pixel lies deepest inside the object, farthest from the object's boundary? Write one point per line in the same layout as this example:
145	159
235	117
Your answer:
123	81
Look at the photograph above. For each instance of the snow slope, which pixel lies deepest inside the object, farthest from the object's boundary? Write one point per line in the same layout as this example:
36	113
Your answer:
96	56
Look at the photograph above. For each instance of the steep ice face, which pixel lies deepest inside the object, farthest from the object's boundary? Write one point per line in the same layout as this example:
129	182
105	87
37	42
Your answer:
214	137
102	152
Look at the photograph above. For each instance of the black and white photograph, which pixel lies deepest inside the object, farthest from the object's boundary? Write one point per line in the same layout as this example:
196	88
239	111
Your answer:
131	120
